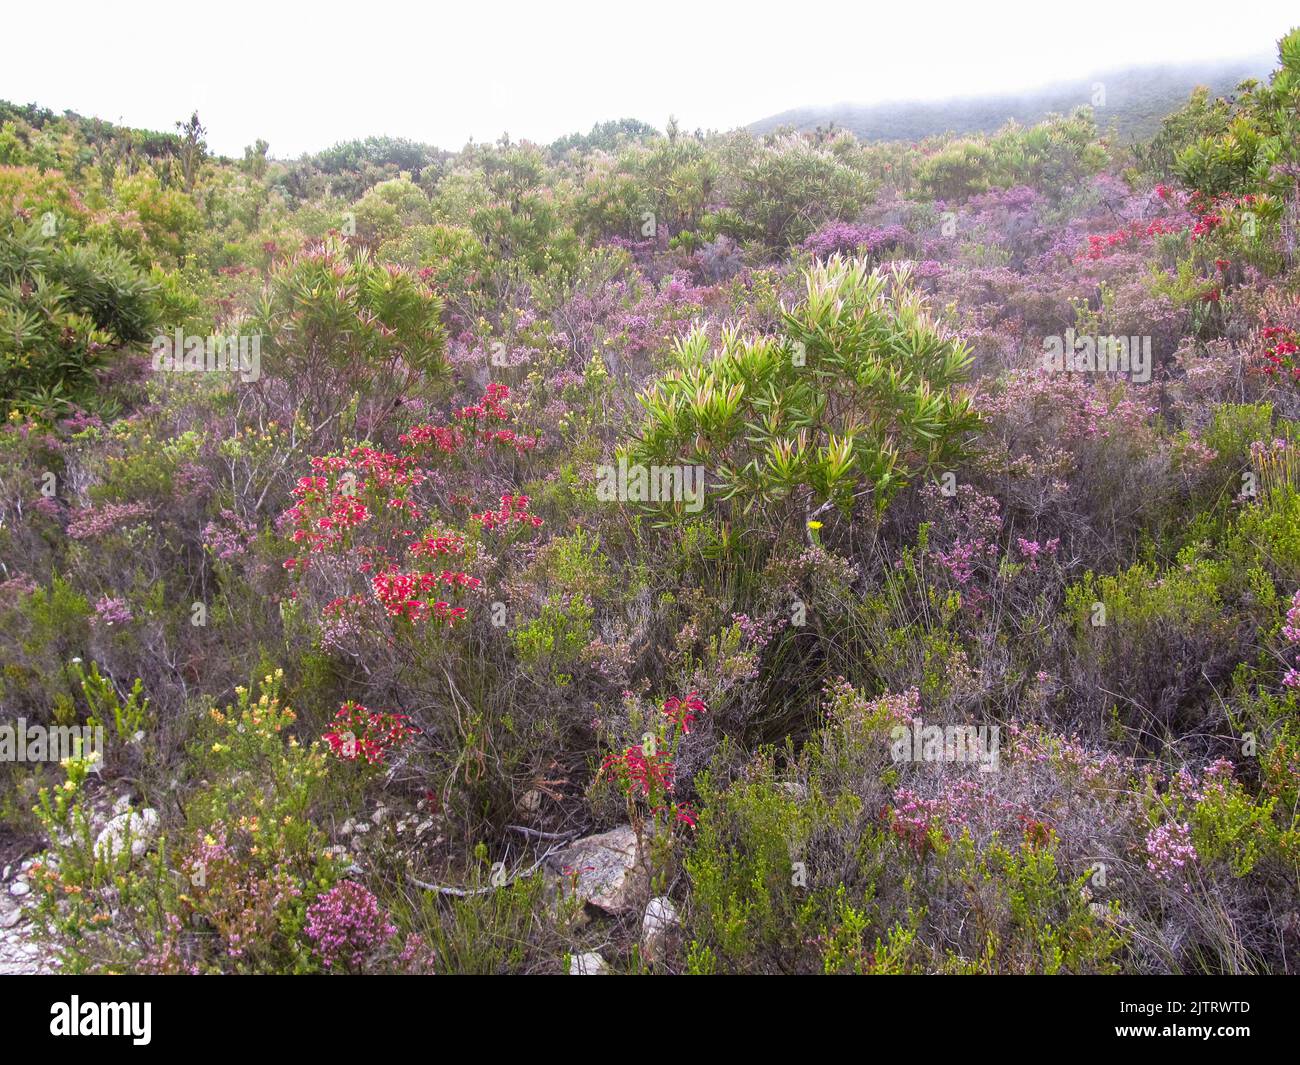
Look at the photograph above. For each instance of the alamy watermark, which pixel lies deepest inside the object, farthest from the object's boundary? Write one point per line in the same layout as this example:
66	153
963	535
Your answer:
651	484
1092	354
77	1018
184	353
976	745
21	742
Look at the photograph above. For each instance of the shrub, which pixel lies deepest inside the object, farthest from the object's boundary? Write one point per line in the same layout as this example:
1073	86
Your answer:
858	398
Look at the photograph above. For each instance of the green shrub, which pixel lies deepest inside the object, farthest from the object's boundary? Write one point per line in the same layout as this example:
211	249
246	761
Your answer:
858	398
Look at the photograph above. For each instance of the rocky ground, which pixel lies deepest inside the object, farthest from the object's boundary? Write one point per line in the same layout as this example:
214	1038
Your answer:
20	953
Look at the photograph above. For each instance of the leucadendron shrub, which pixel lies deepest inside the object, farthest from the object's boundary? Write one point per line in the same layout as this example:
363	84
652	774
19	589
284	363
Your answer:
858	396
65	311
343	341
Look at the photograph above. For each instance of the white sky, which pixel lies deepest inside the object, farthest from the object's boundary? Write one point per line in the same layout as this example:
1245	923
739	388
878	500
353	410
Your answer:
307	75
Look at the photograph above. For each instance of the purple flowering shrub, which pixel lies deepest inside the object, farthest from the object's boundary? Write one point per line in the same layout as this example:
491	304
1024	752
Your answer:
346	925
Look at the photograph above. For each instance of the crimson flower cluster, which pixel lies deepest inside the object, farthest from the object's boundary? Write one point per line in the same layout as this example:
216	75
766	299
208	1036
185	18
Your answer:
640	772
513	509
409	595
648	773
359	733
1280	355
328	503
682	711
492	405
478	419
1099	244
435	545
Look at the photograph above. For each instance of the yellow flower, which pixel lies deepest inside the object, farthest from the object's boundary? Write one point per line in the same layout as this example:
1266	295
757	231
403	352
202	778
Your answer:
814	525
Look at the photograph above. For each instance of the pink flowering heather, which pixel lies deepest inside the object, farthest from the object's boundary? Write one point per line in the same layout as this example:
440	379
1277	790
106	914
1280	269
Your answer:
110	611
97	521
229	538
1169	850
1030	550
346	925
1291	630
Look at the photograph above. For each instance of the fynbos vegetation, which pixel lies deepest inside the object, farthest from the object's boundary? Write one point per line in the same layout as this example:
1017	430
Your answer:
654	552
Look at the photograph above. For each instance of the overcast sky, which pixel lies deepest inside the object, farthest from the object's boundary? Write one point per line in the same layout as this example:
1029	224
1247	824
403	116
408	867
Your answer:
305	76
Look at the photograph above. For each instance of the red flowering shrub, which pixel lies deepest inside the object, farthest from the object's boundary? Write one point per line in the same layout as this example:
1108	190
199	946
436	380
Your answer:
1280	355
359	509
359	733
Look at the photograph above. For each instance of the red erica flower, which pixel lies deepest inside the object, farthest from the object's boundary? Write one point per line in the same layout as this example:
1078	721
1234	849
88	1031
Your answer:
685	815
683	711
513	509
409	595
432	546
638	772
359	733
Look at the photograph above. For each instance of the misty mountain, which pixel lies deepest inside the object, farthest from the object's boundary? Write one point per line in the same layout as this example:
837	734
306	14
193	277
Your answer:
1135	101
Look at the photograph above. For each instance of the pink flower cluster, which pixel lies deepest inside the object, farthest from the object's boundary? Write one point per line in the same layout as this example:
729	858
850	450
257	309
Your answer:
346	925
756	632
97	521
962	558
1169	849
228	540
110	611
1031	549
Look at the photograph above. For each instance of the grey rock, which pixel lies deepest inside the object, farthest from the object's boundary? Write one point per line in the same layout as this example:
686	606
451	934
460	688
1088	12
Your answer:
657	927
602	869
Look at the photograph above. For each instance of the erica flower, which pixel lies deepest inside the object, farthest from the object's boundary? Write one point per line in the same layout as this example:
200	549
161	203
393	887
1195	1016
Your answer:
347	924
367	735
638	771
682	711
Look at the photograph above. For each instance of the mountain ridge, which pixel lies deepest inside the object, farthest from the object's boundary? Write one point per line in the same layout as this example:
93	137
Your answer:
1135	100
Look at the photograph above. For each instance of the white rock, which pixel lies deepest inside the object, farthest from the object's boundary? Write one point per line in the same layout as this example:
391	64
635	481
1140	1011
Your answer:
592	964
659	923
141	827
19	888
